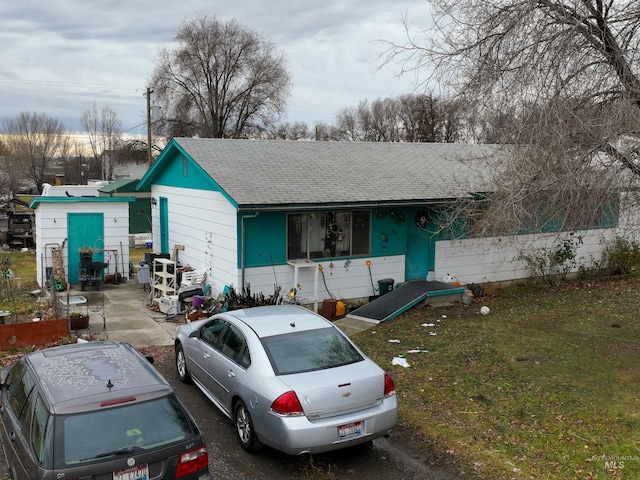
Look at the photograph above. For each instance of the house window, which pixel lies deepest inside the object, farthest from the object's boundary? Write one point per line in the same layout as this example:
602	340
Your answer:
328	234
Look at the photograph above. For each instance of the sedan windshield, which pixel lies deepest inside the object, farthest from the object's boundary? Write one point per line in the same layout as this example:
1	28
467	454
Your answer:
109	432
309	350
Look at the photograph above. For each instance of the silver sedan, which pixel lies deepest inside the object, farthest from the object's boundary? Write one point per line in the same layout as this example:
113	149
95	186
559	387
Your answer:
288	378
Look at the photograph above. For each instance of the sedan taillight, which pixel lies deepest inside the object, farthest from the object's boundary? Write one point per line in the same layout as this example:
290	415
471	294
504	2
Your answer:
389	386
192	461
287	404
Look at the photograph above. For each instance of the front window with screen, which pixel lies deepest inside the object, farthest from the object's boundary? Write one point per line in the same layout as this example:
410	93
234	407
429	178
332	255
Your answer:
325	234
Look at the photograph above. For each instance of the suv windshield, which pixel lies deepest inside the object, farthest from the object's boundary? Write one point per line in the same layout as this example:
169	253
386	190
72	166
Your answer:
103	434
309	350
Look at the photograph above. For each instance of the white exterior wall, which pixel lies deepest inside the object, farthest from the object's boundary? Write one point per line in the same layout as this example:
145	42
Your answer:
51	231
482	260
205	223
343	281
493	259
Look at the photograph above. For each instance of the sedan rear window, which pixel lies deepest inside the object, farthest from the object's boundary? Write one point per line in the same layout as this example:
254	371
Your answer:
128	429
309	350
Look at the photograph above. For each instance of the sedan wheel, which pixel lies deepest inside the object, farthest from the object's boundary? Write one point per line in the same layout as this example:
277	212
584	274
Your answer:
181	365
244	428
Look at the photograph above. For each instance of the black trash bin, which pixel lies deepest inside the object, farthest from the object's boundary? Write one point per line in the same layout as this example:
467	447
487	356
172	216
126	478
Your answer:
385	285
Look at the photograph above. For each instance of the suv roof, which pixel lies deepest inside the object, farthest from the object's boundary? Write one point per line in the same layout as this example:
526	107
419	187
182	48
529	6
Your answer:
111	372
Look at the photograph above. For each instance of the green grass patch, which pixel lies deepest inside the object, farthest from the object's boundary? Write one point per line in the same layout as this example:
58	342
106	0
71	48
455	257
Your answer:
546	386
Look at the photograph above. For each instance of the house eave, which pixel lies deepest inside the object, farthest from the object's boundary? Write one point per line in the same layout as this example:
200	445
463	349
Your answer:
347	205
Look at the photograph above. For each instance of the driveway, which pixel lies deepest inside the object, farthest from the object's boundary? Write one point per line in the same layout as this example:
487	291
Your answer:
391	458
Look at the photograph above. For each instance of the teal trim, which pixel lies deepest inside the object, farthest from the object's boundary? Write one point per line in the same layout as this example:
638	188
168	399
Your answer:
38	200
265	237
175	168
450	291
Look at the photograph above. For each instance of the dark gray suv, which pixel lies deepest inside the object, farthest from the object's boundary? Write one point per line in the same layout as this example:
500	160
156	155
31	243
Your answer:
96	411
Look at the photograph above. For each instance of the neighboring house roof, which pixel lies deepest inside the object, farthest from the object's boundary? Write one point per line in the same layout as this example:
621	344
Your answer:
273	172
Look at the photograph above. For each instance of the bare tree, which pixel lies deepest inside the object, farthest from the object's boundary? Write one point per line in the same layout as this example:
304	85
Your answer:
11	173
104	130
324	132
370	122
409	118
36	141
288	131
566	72
427	118
221	80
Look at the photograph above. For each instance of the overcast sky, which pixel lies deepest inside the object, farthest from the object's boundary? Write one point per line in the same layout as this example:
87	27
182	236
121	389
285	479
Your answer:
61	56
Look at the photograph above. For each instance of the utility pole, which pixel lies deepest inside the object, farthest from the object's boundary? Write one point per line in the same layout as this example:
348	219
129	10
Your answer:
149	158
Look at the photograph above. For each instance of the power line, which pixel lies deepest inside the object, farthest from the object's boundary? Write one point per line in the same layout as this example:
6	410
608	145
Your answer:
68	84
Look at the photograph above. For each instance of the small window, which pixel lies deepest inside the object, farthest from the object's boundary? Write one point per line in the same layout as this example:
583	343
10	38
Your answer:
233	344
328	234
19	391
212	330
39	428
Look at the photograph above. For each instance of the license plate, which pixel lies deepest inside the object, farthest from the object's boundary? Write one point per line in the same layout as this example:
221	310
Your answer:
140	472
350	430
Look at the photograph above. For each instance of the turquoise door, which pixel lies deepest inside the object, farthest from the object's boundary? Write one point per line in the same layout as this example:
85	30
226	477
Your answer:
164	225
420	256
84	230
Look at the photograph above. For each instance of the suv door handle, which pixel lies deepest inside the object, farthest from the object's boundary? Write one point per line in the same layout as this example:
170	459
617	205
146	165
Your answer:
231	374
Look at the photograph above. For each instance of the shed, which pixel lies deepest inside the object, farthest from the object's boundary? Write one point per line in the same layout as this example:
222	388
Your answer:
71	218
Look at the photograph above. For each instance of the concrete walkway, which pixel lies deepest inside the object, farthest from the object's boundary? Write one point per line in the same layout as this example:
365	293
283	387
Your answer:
123	312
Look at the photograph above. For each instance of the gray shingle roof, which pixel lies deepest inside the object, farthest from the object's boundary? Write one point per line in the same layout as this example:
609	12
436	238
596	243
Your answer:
272	172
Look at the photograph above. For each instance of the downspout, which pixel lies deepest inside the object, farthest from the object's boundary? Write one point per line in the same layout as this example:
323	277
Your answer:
243	244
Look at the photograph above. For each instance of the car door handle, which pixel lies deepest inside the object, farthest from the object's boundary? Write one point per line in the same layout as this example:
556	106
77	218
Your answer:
206	355
231	374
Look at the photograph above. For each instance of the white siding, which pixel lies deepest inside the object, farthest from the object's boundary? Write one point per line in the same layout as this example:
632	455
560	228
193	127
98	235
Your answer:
493	259
343	281
480	260
205	223
51	231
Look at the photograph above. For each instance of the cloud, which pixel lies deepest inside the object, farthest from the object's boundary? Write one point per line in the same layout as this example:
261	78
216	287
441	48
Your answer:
60	57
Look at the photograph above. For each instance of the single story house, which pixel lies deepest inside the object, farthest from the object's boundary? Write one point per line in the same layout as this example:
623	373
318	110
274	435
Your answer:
329	219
